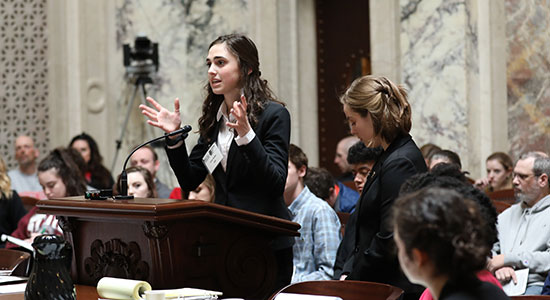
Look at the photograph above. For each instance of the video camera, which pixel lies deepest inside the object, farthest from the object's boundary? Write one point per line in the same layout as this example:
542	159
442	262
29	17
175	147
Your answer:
143	58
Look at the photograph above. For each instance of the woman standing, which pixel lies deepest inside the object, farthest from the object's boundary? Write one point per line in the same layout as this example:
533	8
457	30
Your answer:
379	114
244	138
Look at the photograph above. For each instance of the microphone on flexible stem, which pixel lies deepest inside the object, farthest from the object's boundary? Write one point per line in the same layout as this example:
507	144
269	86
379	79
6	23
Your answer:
123	185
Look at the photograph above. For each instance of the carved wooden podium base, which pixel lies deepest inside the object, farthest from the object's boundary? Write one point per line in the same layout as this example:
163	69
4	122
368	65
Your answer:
171	243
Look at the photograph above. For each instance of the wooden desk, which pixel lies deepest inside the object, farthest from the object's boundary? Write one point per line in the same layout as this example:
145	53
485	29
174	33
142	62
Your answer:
171	243
83	292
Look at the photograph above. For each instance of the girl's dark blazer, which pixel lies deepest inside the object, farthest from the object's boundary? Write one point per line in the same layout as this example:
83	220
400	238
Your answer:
375	257
256	173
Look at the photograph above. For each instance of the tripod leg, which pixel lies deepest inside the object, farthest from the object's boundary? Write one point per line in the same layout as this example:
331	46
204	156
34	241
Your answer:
150	129
125	124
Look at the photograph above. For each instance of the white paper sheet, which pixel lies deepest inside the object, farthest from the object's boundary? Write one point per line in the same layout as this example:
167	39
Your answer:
13	288
517	289
290	296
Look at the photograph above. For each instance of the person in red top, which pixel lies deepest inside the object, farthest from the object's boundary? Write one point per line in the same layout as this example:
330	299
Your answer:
96	174
441	239
59	177
449	176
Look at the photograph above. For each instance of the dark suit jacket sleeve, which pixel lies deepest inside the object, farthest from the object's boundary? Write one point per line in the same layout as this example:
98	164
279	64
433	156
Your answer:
189	169
393	174
267	154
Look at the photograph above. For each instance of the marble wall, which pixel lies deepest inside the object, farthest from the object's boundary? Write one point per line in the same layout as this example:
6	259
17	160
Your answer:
437	66
528	75
453	64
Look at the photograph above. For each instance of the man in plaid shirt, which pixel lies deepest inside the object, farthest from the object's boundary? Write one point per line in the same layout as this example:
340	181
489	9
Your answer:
315	248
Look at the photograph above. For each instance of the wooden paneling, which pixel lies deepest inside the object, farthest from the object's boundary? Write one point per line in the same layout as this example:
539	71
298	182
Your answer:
343	54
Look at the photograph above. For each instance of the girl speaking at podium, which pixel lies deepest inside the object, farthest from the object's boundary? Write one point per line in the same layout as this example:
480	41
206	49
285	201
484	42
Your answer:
244	138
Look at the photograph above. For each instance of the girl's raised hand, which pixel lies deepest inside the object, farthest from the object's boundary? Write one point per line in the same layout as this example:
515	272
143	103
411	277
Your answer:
161	117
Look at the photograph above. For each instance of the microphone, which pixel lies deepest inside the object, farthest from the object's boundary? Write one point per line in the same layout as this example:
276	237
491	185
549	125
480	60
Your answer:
123	185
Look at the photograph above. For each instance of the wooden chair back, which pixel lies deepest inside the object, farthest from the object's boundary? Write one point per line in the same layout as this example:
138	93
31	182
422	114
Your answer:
503	195
345	289
500	206
28	202
15	260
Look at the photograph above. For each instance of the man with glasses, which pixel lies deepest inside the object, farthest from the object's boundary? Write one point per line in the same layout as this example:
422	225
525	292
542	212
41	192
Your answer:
524	228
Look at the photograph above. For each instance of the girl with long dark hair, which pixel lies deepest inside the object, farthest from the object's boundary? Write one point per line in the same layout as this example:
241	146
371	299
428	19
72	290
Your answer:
59	176
244	138
97	176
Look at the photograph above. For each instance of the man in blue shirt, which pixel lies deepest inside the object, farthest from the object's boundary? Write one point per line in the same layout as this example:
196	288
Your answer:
315	248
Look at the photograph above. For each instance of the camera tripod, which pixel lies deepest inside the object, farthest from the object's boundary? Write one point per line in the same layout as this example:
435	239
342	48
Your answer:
139	84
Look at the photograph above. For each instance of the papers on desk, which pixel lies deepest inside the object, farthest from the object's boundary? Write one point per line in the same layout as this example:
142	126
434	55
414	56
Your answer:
127	289
13	288
290	296
12	279
190	293
512	289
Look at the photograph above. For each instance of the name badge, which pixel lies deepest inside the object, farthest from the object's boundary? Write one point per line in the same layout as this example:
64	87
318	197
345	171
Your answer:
212	158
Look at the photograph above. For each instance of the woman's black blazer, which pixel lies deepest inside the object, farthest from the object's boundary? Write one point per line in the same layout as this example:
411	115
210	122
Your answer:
256	173
375	257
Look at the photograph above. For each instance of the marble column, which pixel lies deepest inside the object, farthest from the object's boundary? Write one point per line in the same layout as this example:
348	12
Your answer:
81	58
528	69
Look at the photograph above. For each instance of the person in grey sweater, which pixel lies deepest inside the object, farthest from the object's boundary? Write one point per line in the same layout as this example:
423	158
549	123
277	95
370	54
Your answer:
524	228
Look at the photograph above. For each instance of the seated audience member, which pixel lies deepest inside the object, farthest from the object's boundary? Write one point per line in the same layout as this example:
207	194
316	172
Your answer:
499	173
455	180
315	248
23	178
445	156
321	183
361	158
340	158
523	238
11	207
147	157
97	176
428	150
441	240
449	170
177	194
59	177
140	183
206	191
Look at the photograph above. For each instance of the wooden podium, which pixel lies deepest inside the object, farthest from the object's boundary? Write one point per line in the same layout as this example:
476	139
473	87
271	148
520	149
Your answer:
171	243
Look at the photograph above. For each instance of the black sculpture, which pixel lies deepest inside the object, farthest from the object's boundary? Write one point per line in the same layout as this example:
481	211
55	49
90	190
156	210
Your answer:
50	277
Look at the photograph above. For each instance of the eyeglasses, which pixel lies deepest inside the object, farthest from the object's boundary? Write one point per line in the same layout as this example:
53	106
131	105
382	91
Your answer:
522	177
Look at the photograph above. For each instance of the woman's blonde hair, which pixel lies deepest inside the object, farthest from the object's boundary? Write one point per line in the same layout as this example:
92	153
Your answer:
211	185
5	182
386	103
